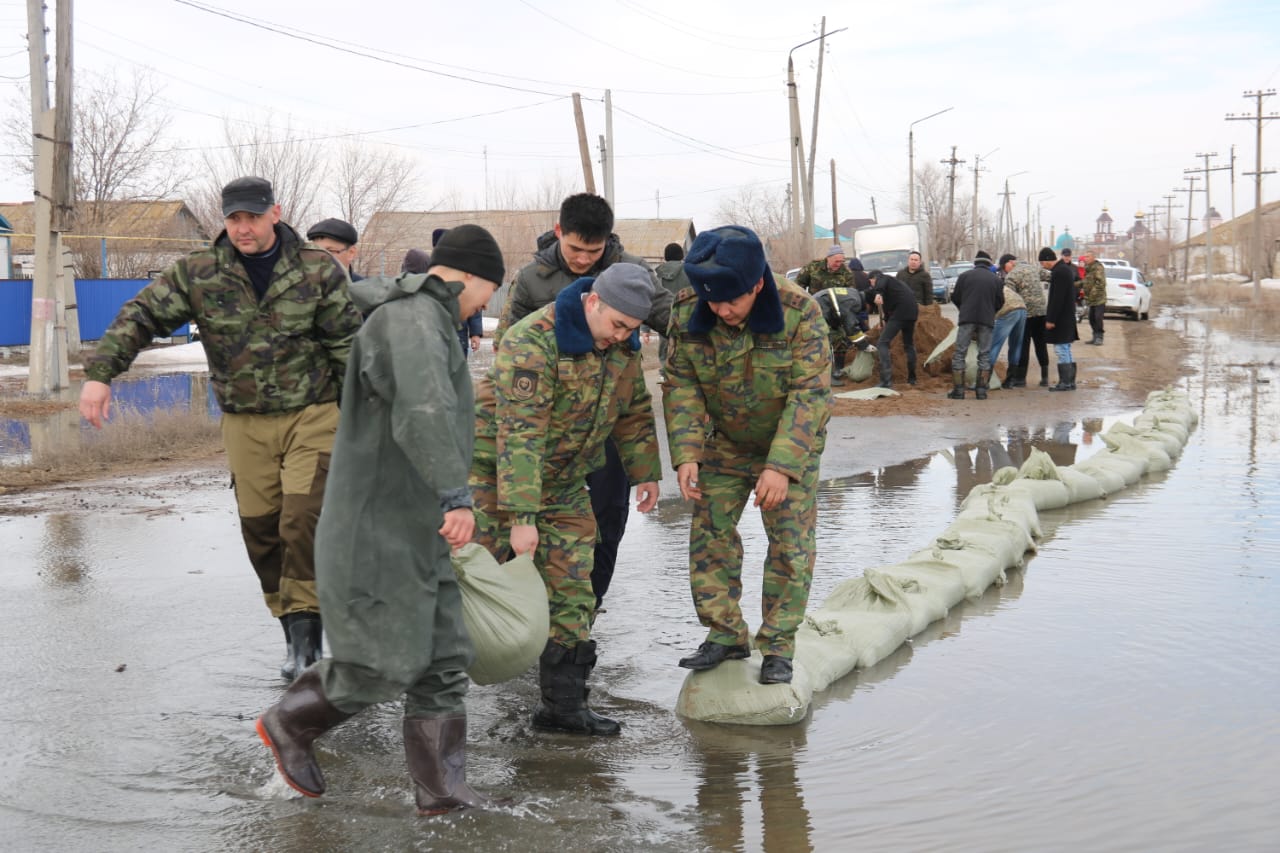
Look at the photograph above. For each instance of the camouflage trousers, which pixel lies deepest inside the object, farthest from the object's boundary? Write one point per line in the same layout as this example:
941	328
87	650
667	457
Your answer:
565	554
715	560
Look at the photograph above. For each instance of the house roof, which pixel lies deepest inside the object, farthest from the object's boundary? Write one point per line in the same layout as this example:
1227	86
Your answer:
167	219
390	234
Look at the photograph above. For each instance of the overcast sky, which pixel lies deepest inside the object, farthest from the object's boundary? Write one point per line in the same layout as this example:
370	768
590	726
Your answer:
1095	102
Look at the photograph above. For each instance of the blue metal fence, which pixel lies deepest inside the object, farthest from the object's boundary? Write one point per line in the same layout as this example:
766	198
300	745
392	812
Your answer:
97	299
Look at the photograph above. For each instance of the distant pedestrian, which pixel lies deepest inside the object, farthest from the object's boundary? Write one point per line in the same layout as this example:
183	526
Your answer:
1060	316
1029	283
338	238
899	313
979	295
916	277
1095	293
1011	322
671	276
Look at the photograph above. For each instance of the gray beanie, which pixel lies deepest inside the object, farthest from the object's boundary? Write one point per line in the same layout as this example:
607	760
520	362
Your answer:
627	288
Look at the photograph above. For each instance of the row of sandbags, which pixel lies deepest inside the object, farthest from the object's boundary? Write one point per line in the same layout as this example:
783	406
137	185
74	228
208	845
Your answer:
865	618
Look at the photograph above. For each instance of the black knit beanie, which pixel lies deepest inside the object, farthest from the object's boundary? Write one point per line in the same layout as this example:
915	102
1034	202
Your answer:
1046	254
470	248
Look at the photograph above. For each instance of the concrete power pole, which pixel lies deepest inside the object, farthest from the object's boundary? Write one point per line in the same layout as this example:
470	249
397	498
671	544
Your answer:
610	159
835	216
951	202
797	152
52	149
1208	211
1186	247
584	151
813	133
1258	251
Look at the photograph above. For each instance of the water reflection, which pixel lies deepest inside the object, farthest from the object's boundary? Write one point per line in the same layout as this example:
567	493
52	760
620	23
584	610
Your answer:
750	772
63	562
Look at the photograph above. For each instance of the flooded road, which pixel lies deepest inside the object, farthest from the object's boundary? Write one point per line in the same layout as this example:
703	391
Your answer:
1120	693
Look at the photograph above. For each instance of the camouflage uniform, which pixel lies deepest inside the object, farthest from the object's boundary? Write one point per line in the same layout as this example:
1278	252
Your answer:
815	276
1095	296
1029	282
543	415
276	365
738	402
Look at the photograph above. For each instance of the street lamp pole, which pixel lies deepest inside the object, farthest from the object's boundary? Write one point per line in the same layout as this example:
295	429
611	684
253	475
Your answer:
1028	221
911	162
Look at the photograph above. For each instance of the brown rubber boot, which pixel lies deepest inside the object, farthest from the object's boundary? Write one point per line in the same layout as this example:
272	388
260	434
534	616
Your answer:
290	726
984	382
957	382
436	751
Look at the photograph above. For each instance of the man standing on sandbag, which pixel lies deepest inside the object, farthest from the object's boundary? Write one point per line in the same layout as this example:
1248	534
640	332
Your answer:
747	400
565	380
398	501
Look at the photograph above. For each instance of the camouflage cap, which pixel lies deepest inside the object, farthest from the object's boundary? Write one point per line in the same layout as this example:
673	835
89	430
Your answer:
250	194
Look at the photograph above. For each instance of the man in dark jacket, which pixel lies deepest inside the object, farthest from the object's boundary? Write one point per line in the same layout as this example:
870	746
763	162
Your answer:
1060	316
583	244
338	238
916	277
979	295
398	502
899	312
671	275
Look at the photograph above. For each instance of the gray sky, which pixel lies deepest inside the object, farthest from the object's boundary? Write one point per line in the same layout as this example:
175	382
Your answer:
1097	102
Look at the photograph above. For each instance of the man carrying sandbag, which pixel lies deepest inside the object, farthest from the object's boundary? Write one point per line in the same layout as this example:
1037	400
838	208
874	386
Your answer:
398	501
565	379
747	400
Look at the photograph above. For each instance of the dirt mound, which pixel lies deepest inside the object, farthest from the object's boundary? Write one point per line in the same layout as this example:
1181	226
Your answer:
931	329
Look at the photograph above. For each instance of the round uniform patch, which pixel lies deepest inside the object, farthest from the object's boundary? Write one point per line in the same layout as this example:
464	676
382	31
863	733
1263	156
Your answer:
525	385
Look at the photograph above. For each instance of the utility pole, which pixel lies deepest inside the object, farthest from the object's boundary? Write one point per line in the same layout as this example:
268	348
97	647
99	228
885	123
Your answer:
951	202
973	216
588	179
1006	214
797	150
1257	173
51	130
835	217
1186	247
874	216
1208	213
1235	238
813	132
610	159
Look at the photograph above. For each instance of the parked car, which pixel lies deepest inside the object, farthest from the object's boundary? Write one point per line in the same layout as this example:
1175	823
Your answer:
1128	292
791	274
941	284
1114	262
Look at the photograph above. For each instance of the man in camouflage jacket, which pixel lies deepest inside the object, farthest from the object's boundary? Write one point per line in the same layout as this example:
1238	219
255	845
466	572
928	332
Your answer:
821	273
1029	283
565	380
747	399
1095	293
276	323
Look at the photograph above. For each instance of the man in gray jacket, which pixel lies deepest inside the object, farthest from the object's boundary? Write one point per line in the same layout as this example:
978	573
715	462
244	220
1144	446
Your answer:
398	502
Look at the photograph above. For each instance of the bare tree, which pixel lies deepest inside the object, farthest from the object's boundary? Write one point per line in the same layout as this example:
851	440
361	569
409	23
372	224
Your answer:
293	163
368	179
766	211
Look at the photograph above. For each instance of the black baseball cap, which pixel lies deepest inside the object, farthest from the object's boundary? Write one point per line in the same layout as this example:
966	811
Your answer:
335	229
250	194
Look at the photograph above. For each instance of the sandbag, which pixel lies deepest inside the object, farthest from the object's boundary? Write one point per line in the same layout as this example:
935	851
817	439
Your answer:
1082	486
1109	479
1153	455
732	693
861	367
505	610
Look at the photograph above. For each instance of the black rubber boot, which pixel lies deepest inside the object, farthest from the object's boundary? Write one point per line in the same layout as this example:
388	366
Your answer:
1020	376
1010	377
290	726
304	637
984	382
562	677
1096	340
1065	372
911	373
436	751
1071	378
1044	376
837	367
288	667
957	382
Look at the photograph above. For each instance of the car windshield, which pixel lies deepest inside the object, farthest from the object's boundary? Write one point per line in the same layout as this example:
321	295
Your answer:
890	261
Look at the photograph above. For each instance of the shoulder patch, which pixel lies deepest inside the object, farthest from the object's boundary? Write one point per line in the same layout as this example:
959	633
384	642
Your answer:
524	385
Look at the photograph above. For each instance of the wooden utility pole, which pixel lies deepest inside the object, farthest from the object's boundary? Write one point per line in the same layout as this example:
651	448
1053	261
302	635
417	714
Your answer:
951	202
1258	252
1186	247
588	179
48	352
1208	212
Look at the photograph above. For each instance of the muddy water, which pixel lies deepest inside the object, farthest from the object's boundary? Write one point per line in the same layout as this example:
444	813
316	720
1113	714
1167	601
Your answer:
1120	693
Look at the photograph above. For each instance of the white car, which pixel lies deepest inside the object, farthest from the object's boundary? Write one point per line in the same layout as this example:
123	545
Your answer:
1114	262
1128	292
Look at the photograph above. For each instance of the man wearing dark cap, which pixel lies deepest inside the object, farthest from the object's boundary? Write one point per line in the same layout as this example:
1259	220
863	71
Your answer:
583	244
829	271
671	276
747	400
339	239
276	322
899	311
566	380
398	503
979	295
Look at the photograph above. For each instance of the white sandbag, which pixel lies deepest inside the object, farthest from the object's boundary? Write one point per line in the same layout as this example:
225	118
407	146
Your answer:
1004	505
1082	486
1152	456
505	610
1039	466
938	586
732	693
1166	441
861	368
1006	541
1112	481
1128	468
871	614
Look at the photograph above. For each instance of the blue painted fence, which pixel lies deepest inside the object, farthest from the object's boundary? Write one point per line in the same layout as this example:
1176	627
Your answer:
98	301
